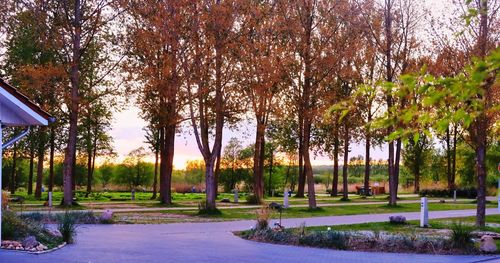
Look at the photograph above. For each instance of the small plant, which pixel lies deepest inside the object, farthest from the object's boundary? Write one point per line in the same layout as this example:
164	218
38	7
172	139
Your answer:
263	215
461	236
67	226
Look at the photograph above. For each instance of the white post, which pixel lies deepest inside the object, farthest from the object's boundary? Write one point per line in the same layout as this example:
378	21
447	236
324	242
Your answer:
1	154
424	213
285	199
50	199
455	195
236	195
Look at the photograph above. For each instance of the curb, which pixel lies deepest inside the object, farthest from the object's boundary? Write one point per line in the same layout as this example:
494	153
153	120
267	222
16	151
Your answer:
38	252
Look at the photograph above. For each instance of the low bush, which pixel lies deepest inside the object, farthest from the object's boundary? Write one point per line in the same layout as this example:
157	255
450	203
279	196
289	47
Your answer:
461	236
468	192
326	239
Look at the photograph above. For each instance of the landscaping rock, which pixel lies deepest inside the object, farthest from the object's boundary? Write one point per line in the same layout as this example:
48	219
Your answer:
30	242
225	200
54	233
397	219
488	244
106	216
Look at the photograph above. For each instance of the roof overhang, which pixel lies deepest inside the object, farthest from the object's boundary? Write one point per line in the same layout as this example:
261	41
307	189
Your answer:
17	110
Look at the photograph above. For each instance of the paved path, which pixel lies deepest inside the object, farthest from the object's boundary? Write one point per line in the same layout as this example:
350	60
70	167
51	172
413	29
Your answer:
214	242
188	208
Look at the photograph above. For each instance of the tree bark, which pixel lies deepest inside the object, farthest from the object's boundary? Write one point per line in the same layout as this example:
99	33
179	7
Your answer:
12	182
302	177
258	167
448	160
367	163
51	158
270	175
69	157
39	170
336	144
30	176
345	183
155	179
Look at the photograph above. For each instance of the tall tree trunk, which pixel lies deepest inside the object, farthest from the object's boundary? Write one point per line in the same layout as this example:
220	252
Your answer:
336	145
69	157
89	173
210	183
30	176
396	166
345	183
270	175
302	176
479	125
417	178
155	179
39	170
51	158
448	159
367	162
258	168
166	163
217	172
12	183
454	157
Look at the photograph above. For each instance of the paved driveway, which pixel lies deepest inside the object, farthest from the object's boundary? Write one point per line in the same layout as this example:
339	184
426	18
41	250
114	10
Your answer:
214	242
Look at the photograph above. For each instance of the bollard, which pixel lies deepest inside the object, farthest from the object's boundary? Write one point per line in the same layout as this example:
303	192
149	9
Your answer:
236	195
424	213
455	196
285	199
132	195
50	199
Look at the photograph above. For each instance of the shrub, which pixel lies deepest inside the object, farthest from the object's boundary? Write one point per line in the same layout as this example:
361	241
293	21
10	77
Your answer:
461	236
263	215
328	239
67	226
252	199
468	192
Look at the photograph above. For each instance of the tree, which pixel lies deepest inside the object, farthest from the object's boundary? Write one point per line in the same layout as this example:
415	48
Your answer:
478	87
415	157
153	141
263	62
79	24
156	45
212	34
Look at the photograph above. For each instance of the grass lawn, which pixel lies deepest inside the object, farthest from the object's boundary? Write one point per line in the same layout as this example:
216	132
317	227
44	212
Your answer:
246	213
493	224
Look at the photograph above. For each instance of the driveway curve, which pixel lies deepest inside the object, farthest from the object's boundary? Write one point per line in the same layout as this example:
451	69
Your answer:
214	242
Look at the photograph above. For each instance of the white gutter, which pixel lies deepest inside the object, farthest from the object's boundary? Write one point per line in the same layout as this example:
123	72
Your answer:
17	138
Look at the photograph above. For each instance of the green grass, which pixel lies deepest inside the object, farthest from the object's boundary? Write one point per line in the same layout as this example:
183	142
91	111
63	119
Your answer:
295	212
412	225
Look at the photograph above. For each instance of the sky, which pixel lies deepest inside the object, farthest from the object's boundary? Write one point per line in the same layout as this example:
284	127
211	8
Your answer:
128	134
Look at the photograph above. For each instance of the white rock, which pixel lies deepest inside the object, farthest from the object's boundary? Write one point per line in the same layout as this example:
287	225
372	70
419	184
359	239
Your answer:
488	244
